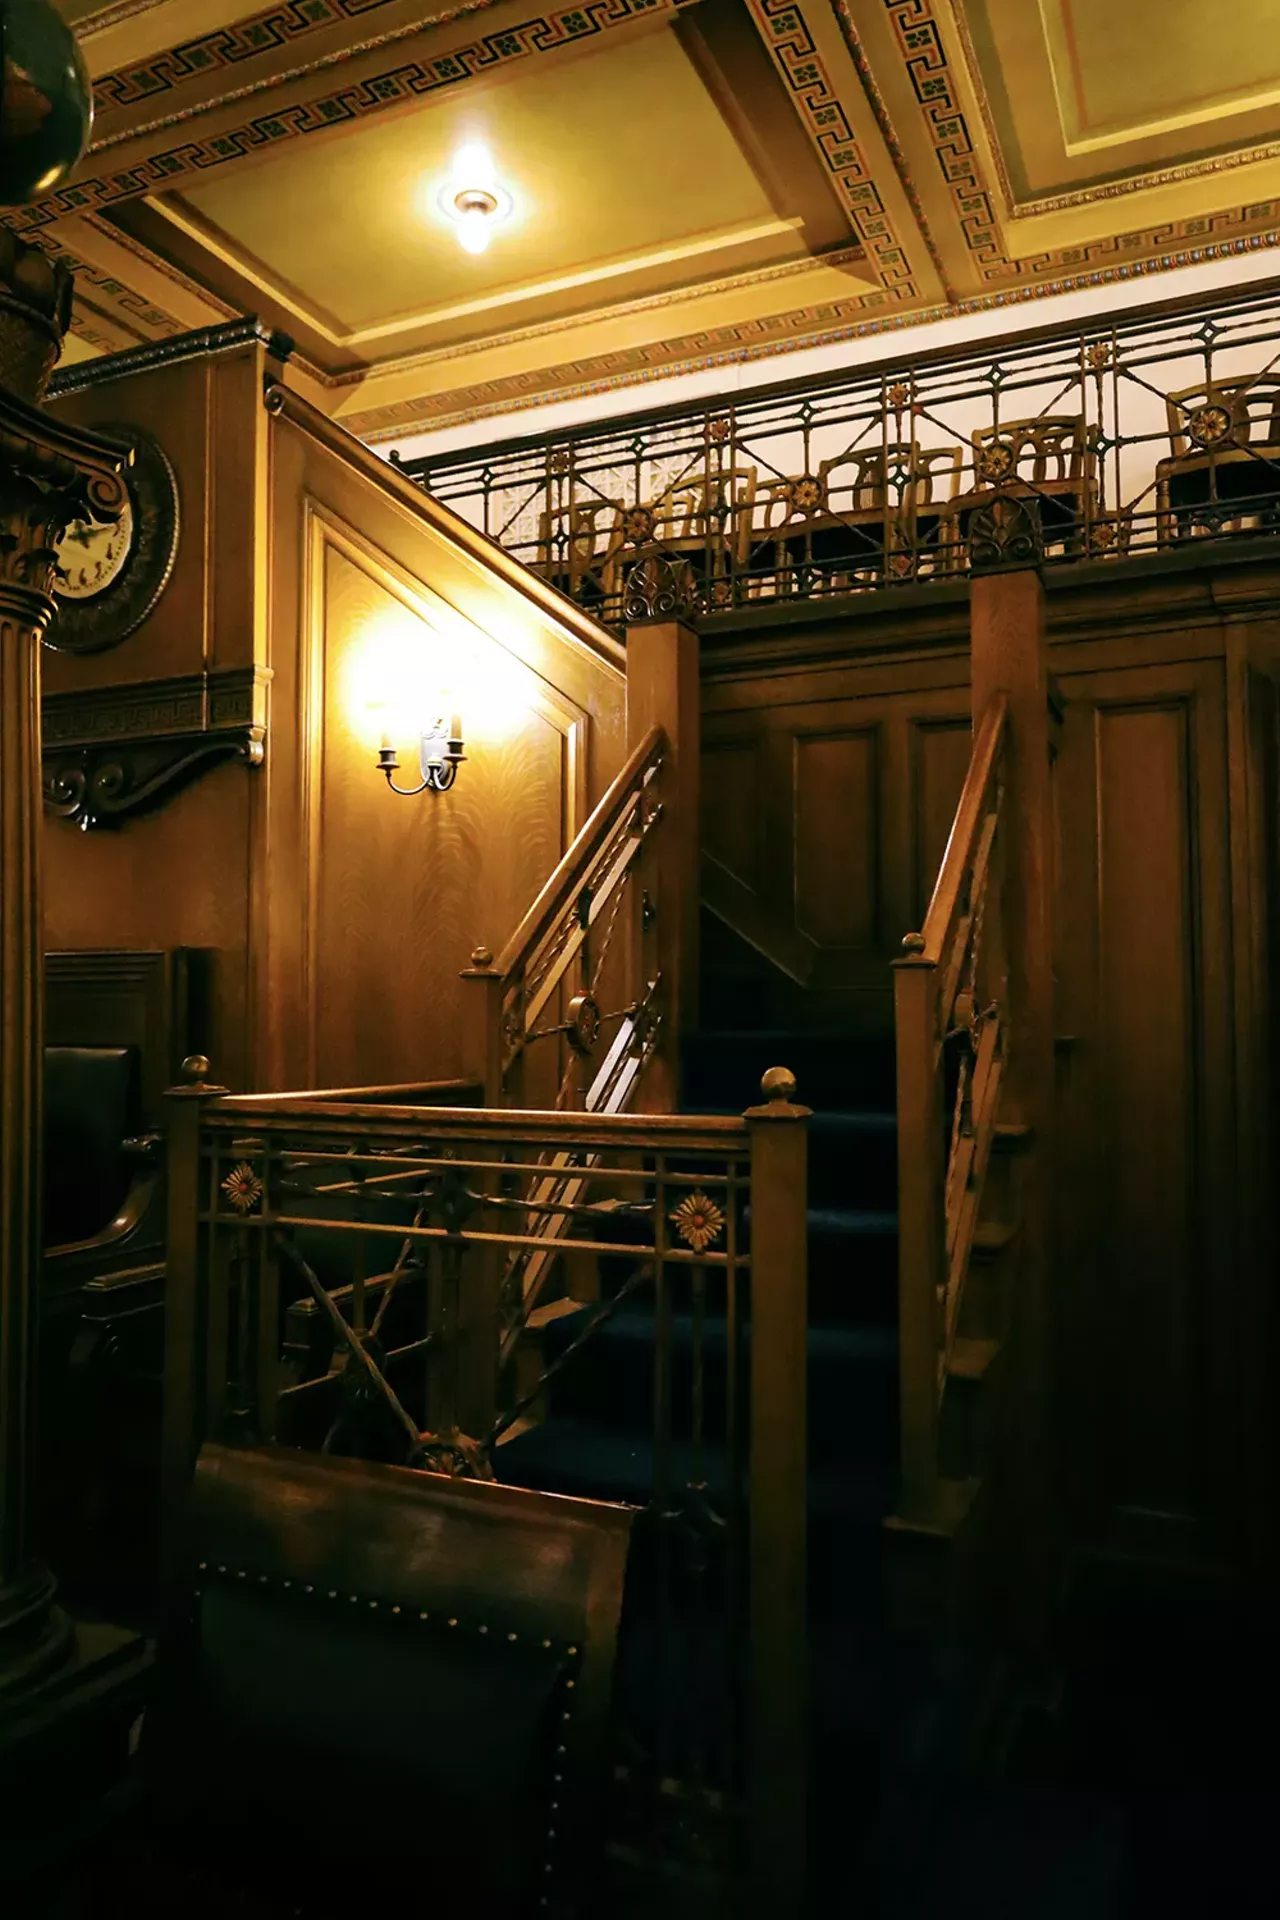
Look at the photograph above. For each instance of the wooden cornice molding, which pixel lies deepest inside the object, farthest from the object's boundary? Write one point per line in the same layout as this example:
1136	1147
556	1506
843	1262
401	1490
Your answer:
116	752
198	345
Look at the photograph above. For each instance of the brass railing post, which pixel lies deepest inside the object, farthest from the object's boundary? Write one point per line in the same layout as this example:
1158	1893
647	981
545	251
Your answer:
777	1665
664	689
921	1223
186	1263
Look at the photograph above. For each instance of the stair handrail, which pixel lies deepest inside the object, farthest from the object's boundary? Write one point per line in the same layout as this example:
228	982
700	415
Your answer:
944	903
570	873
573	920
949	986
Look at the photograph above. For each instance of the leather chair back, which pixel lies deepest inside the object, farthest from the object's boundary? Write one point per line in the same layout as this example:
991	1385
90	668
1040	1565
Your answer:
395	1673
91	1105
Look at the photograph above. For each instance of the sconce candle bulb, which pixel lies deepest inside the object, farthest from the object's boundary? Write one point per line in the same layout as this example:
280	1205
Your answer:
439	757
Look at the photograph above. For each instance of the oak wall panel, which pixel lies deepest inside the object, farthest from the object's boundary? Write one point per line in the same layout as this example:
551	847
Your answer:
852	791
1164	1347
731	802
171	879
940	760
1146	990
404	889
837	837
376	902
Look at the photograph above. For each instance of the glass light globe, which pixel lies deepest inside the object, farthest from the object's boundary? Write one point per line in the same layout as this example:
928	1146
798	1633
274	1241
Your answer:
473	229
46	101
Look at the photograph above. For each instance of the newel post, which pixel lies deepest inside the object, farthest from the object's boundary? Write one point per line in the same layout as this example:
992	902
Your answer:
185	1294
664	690
922	1234
482	1037
778	1664
1009	655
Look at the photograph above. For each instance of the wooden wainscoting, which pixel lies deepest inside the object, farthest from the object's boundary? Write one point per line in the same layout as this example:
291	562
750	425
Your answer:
829	790
368	906
825	816
1152	1302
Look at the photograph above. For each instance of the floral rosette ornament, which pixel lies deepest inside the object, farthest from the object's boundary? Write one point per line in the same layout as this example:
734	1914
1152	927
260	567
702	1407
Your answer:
698	1221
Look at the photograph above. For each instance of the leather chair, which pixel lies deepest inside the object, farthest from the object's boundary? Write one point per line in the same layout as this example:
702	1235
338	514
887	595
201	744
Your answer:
376	1686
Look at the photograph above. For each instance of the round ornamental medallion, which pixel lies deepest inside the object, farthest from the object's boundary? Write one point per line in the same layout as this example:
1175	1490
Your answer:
805	494
584	1023
111	575
1209	426
638	524
996	461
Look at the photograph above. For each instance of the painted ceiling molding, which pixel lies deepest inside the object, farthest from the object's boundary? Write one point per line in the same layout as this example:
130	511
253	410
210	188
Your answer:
705	181
410	80
827	119
573	380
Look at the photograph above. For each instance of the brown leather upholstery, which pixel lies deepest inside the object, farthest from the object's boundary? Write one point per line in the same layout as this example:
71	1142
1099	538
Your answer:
91	1106
386	1681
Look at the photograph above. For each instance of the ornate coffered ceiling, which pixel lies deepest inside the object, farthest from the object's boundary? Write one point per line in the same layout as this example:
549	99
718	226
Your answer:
694	180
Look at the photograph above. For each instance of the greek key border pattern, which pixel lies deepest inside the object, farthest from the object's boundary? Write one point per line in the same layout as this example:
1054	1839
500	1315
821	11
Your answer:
229	47
412	79
920	38
888	134
575	380
795	54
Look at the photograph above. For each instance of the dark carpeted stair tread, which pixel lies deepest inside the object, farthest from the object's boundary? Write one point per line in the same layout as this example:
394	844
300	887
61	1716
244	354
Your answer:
852	1379
852	1223
846	1344
582	1457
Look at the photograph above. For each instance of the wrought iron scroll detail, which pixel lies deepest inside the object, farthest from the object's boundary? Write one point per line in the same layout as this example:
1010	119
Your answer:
660	589
1004	533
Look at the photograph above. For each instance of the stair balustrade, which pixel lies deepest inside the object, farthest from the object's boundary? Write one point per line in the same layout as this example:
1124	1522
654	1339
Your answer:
329	1289
952	1028
586	931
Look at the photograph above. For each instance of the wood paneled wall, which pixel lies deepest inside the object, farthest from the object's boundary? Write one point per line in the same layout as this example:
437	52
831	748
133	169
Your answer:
828	800
830	788
341	915
375	903
180	876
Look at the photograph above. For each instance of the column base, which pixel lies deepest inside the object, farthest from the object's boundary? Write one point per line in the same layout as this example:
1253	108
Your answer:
65	1744
36	1637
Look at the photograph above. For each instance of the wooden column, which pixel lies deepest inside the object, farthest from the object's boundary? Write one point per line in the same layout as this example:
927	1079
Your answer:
778	1661
1009	655
49	476
664	689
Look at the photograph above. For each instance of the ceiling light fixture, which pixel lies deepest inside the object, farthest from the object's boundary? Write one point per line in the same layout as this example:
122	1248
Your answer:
473	199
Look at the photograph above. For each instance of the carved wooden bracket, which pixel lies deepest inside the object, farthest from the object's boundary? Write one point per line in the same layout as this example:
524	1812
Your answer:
1005	532
112	755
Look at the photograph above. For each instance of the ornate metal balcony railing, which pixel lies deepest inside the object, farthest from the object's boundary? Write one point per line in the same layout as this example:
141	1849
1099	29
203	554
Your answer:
1123	436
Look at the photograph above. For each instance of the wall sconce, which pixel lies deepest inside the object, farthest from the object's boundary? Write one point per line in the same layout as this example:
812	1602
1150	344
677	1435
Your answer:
439	757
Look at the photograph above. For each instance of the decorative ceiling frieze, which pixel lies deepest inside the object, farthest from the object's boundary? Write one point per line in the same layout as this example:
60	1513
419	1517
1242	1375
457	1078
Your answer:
828	119
766	175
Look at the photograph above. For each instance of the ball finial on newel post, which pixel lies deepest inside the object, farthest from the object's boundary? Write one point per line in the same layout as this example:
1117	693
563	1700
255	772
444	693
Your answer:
779	1083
